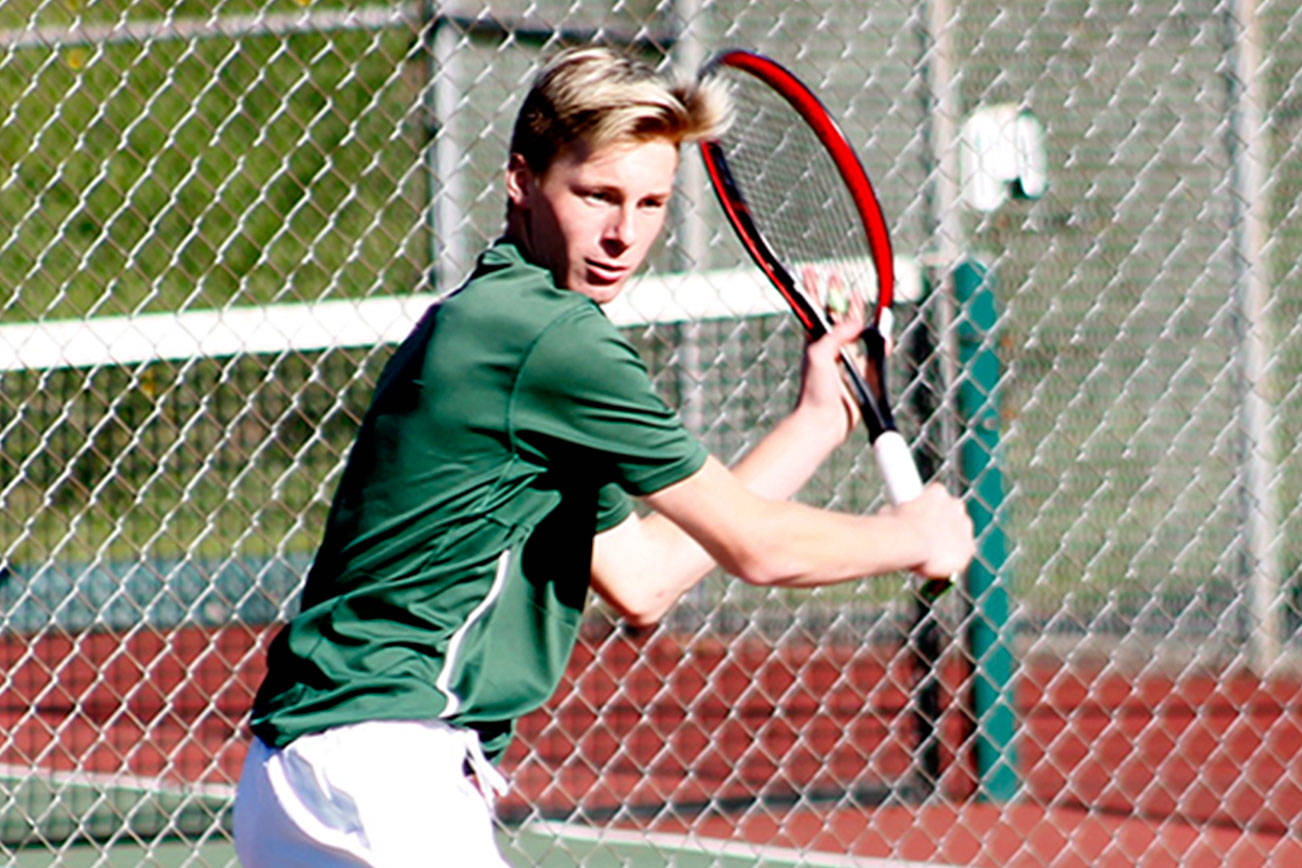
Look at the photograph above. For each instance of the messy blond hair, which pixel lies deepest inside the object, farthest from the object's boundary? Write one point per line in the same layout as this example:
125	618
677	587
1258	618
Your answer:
598	96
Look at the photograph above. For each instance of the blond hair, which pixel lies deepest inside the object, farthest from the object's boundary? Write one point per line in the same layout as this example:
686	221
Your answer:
598	96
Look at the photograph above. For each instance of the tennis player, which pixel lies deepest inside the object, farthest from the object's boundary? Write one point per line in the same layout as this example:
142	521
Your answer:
492	485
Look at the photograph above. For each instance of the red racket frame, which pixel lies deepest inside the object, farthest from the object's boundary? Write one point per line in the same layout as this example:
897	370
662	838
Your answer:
814	113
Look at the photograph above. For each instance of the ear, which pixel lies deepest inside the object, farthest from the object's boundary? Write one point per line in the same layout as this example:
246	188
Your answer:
520	182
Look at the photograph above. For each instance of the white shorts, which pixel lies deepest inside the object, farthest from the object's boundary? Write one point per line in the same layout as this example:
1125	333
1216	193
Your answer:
381	793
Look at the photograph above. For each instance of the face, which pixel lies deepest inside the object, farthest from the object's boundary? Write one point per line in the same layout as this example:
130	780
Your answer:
592	217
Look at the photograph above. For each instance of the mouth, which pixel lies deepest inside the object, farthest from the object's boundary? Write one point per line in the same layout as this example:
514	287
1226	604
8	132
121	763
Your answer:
604	272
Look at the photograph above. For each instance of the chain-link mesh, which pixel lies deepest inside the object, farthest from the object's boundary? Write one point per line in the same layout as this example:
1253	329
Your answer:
219	217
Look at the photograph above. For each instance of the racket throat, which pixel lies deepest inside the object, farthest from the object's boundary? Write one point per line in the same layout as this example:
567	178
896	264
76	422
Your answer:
868	382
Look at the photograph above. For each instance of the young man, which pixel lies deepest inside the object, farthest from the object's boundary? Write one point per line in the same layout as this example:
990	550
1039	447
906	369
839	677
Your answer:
489	489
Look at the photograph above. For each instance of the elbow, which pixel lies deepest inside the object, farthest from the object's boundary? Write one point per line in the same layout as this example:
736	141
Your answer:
639	611
644	619
643	616
763	576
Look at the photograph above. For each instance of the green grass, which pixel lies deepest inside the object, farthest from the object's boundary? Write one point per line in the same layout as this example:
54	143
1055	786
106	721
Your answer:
207	458
159	854
175	174
521	847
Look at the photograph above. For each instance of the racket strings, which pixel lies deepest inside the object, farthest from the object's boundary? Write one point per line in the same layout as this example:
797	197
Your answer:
794	191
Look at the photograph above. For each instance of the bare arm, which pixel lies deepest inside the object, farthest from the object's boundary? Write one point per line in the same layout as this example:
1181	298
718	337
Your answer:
773	542
643	565
740	519
768	542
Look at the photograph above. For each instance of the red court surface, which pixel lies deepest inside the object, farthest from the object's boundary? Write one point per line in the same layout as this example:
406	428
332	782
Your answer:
1005	835
1200	768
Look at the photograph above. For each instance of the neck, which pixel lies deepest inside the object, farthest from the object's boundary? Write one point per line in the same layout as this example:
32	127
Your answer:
517	232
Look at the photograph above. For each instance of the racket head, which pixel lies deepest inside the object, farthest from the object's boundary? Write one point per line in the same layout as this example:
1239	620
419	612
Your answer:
796	194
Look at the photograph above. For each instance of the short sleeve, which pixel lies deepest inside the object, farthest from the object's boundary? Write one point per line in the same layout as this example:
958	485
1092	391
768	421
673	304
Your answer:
613	506
583	395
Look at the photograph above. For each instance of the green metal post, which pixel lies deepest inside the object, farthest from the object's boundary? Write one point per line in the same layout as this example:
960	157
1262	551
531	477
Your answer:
988	638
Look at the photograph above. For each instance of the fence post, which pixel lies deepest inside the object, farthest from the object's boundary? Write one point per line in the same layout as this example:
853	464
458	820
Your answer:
988	640
1250	156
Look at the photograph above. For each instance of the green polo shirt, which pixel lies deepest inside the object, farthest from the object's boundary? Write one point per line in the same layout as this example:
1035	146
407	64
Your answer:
506	431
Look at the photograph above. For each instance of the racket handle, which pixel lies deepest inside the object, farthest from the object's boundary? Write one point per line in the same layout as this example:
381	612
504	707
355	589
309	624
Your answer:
895	461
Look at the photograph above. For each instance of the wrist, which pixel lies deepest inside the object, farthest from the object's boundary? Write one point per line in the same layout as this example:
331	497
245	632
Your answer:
903	541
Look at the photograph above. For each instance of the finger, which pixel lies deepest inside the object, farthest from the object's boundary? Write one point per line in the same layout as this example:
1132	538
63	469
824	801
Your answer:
836	337
847	331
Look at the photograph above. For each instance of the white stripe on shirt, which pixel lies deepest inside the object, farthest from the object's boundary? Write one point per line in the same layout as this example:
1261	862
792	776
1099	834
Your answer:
444	682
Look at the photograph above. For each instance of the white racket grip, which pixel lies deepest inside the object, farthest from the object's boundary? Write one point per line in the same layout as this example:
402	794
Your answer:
898	470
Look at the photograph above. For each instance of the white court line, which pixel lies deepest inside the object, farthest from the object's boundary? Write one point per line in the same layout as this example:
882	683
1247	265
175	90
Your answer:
717	847
115	780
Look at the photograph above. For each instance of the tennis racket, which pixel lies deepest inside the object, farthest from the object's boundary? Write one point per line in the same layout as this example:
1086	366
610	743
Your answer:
802	205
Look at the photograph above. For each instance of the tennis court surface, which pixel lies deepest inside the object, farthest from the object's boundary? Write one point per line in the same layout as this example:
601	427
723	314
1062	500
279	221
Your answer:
938	836
801	752
976	835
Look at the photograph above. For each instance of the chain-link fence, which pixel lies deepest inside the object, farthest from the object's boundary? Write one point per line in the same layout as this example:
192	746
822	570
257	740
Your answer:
218	217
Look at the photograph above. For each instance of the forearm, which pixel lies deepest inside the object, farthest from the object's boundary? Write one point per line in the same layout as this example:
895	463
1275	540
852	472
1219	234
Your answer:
792	545
781	463
789	544
803	548
775	469
742	520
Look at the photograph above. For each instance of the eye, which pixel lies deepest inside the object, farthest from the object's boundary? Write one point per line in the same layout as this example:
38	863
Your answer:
599	196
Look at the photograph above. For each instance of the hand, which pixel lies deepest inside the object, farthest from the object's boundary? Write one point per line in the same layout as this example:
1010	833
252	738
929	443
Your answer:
823	393
822	390
839	301
942	529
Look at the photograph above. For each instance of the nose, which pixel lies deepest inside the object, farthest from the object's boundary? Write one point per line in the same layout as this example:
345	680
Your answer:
621	229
